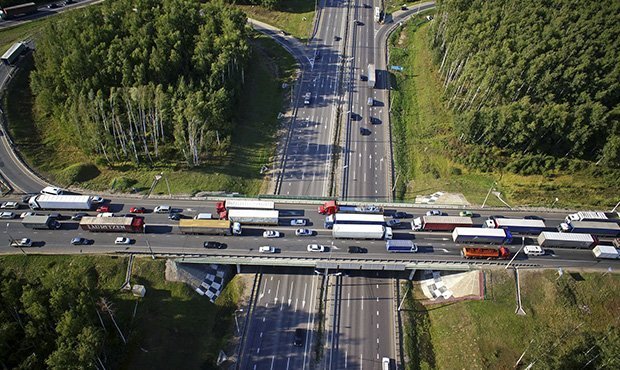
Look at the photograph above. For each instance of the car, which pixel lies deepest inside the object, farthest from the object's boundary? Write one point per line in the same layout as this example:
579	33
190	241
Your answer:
97	199
175	216
55	215
466	214
404	7
271	234
137	210
298	222
364	131
298	338
106	214
393	223
162	209
336	38
215	245
122	240
533	250
434	212
266	249
283	33
25	242
7	215
363	78
52	190
53	6
9	205
70	2
375	121
104	208
303	232
307	98
401	215
355	249
78	216
315	248
23	215
80	241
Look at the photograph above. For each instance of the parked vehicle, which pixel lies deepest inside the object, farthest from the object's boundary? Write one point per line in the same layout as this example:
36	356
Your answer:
481	235
215	245
209	227
73	202
605	251
401	246
566	240
243	204
41	222
354	219
271	234
440	223
590	227
517	225
25	242
347	231
488	253
331	207
132	224
254	216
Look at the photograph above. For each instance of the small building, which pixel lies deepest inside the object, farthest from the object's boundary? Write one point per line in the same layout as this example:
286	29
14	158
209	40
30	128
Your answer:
14	52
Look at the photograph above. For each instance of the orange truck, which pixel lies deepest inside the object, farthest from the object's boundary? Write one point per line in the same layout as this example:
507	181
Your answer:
488	253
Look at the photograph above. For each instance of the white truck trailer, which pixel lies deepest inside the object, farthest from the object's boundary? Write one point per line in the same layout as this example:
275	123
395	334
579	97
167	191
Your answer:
605	251
372	76
548	239
72	202
348	231
254	216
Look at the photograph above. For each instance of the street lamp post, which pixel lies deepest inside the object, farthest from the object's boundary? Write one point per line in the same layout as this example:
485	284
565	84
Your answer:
400	306
237	320
489	193
554	202
616	206
515	256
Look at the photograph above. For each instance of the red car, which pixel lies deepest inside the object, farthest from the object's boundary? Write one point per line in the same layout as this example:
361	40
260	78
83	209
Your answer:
103	209
137	210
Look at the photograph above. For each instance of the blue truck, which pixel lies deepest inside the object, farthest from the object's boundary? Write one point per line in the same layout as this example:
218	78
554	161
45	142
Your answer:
481	235
591	227
517	225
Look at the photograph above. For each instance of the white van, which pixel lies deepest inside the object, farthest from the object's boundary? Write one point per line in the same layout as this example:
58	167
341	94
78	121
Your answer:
52	190
370	102
386	364
162	209
533	250
203	216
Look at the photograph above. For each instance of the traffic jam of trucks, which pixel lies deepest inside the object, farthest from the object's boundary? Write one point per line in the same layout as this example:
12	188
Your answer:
580	230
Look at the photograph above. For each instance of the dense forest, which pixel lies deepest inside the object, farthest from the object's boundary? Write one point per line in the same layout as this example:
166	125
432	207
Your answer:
539	79
143	80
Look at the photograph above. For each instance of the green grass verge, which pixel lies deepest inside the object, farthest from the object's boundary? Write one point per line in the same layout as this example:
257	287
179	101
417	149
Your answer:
489	335
294	16
14	34
252	141
423	130
173	325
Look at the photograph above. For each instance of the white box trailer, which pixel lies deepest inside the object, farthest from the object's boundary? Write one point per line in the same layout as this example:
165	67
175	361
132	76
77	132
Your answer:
72	202
605	251
254	216
566	240
349	231
248	204
372	76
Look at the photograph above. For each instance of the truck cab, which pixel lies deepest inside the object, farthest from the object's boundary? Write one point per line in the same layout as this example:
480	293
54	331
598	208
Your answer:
236	228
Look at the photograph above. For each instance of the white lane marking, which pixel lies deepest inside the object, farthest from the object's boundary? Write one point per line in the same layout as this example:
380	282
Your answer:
290	293
272	359
275	299
362	303
288	361
303	302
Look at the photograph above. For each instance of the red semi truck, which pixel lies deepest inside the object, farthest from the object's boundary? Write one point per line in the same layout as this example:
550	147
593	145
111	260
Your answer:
440	223
17	10
332	207
124	224
488	253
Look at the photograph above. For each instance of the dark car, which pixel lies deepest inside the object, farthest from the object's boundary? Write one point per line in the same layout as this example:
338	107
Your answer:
298	340
53	6
364	131
56	216
401	215
404	7
355	249
78	216
215	245
175	216
80	241
363	78
375	121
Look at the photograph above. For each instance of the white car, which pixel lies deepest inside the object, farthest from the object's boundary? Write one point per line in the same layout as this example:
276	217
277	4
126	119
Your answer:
298	222
23	215
533	250
122	240
162	209
97	199
434	212
266	249
271	234
52	190
25	242
7	215
105	214
9	205
315	248
303	232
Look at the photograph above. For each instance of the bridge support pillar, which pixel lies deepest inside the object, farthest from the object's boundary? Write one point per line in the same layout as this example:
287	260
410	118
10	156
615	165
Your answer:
411	274
238	268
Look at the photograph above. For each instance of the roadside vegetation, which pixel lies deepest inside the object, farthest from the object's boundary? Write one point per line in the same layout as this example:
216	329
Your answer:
571	322
51	308
429	156
296	17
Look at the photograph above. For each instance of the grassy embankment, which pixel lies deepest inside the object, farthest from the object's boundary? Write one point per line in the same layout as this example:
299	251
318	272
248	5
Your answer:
173	328
252	141
560	312
425	124
295	17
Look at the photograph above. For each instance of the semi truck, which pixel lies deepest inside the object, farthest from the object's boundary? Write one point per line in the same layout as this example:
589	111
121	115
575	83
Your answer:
132	224
401	246
254	216
591	227
332	207
11	55
481	235
17	10
353	218
209	227
372	78
72	202
566	240
605	251
377	14
440	223
243	204
41	222
517	225
593	216
348	231
488	253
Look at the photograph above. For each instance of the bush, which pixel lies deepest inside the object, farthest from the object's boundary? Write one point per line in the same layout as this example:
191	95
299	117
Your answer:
78	172
122	183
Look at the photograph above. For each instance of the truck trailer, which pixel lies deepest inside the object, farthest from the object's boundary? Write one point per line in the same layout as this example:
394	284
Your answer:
209	227
517	225
11	55
440	223
401	246
72	202
353	218
593	216
17	10
481	235
372	77
566	240
590	227
332	207
488	253
131	224
254	216
41	222
347	231
605	251
243	204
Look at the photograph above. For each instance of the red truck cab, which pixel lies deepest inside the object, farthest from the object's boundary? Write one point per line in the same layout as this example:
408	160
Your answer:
328	208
